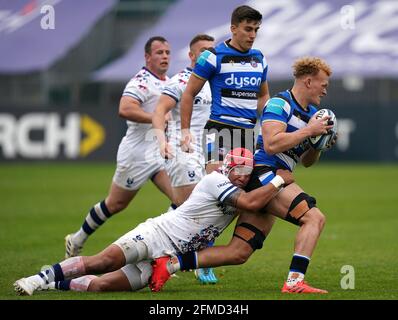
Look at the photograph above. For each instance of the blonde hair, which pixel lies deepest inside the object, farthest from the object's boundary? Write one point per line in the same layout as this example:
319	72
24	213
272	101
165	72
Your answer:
310	66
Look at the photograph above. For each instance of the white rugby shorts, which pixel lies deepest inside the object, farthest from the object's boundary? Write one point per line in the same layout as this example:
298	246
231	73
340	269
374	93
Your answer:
154	238
185	168
136	164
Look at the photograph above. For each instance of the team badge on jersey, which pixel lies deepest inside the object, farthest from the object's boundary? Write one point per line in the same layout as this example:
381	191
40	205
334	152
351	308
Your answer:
191	174
143	88
253	63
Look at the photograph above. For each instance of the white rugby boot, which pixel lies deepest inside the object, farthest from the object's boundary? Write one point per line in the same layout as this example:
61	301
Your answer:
26	286
71	249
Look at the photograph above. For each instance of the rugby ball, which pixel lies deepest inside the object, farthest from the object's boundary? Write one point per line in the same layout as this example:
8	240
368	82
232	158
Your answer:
323	142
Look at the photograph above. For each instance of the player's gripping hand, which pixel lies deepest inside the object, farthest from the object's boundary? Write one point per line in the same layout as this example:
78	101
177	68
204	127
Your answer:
186	139
334	140
286	175
168	117
166	151
319	126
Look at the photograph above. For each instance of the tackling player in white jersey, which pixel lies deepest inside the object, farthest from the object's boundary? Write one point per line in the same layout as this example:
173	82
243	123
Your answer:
185	169
138	158
126	263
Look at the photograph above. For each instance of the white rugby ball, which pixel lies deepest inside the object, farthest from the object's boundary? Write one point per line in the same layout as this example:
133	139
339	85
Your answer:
323	142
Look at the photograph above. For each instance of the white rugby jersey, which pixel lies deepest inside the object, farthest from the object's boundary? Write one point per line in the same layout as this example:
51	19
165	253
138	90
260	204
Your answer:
146	88
202	217
200	112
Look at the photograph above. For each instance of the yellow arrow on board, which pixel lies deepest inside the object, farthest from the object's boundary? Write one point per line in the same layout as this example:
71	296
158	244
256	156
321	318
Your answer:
95	135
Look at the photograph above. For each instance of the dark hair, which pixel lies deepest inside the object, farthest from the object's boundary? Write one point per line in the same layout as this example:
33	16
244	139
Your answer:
200	37
148	44
242	13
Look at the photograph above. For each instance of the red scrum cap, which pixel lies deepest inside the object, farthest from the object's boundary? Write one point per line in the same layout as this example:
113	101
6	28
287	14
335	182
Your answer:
240	159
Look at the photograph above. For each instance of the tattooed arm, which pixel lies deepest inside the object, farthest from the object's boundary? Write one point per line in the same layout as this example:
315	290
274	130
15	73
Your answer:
232	199
253	200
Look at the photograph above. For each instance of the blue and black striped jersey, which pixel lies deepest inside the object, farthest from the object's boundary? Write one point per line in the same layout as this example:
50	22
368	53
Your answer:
235	78
284	108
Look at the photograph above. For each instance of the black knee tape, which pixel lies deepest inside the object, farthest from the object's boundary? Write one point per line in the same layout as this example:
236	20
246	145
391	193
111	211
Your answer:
250	234
299	207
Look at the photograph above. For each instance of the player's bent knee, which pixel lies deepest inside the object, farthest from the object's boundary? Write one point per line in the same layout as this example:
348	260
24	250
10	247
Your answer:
322	221
115	207
317	217
241	256
133	252
107	261
99	285
180	199
239	251
250	234
138	274
300	205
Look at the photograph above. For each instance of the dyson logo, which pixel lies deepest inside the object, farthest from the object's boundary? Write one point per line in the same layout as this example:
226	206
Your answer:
239	82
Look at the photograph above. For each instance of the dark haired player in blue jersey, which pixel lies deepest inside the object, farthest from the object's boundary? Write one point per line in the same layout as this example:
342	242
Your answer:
237	75
286	124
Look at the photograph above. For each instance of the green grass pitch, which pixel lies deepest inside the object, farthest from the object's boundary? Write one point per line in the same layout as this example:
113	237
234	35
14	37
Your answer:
41	203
